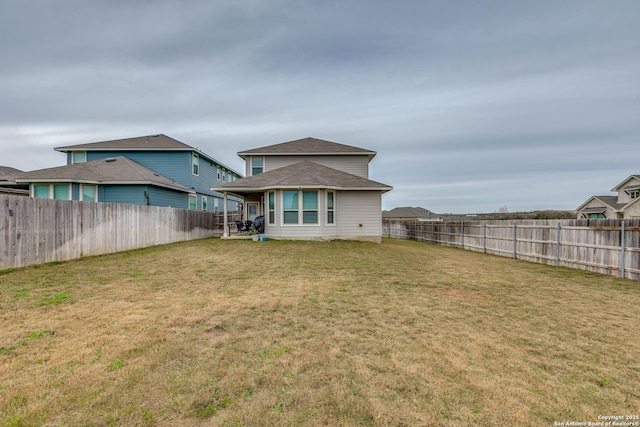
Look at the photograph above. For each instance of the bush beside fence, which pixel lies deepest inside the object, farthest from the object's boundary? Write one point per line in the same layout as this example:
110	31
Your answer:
34	231
603	246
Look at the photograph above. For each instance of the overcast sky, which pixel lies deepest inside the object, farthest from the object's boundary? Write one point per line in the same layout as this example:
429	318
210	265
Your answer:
472	106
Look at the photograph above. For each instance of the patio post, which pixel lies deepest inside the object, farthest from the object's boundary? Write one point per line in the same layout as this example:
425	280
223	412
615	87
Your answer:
225	231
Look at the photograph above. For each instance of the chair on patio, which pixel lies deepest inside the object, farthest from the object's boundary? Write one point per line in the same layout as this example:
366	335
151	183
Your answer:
242	227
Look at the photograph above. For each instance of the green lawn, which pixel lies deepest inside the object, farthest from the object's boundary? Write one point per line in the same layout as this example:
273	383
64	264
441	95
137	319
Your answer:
242	333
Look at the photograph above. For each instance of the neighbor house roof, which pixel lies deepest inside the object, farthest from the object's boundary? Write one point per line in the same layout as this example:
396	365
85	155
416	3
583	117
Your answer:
8	174
113	170
151	142
408	212
159	142
308	146
611	201
302	174
617	187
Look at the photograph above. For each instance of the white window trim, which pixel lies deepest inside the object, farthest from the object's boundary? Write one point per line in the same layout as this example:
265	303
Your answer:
51	192
81	193
251	166
195	205
301	222
219	173
73	153
326	208
195	161
269	210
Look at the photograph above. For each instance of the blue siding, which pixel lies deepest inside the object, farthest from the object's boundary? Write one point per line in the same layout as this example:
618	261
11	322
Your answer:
177	166
135	195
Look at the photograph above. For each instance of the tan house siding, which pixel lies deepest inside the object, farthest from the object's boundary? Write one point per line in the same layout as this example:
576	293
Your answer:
623	197
355	165
633	211
609	213
359	215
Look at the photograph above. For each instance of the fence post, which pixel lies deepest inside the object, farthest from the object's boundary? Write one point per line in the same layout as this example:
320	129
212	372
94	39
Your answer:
515	242
446	236
484	238
622	252
558	246
462	232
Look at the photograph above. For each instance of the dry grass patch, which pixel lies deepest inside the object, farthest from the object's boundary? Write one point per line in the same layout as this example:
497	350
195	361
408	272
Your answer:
300	333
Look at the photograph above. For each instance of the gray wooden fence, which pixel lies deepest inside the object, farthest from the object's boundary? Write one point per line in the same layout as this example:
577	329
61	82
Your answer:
604	246
34	231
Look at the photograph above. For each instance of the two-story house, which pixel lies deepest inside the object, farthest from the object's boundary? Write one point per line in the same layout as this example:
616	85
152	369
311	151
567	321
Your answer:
311	189
150	170
624	205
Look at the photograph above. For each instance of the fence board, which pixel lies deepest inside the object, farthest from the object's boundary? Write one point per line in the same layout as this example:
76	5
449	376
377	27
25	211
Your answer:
35	231
584	244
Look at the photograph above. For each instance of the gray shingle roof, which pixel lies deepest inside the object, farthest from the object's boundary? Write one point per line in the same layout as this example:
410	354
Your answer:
408	212
9	174
611	201
308	146
303	174
114	170
150	142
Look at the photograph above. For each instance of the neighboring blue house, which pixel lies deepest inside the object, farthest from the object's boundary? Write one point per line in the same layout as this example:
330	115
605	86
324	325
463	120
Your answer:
155	170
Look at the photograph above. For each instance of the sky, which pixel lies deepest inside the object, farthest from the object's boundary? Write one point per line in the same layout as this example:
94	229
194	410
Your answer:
472	106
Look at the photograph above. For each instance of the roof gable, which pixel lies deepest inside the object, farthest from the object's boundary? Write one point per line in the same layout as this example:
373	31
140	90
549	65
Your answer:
308	146
611	201
120	170
623	183
303	174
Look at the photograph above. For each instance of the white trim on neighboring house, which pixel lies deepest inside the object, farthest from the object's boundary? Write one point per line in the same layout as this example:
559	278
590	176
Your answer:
81	192
193	197
51	190
195	164
83	159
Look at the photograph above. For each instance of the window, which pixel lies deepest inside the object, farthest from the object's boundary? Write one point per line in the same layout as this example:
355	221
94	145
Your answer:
293	200
257	165
41	191
224	175
272	207
61	191
195	164
88	193
330	207
290	207
635	194
309	207
204	203
216	204
219	174
596	216
78	157
193	200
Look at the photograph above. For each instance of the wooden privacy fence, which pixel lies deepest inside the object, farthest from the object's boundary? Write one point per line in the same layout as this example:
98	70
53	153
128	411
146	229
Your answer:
34	231
604	246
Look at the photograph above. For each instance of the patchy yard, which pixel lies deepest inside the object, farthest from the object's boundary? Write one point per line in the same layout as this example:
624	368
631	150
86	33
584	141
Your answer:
236	333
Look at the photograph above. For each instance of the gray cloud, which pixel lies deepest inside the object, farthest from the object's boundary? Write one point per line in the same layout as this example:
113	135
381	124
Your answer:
471	105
